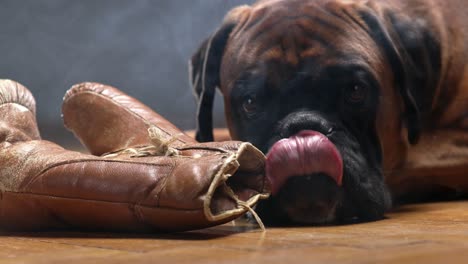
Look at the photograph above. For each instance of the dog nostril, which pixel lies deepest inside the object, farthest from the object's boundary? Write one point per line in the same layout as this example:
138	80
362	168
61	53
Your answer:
306	120
296	129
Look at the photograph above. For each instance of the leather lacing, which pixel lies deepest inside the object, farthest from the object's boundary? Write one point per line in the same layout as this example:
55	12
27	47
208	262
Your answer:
160	145
241	203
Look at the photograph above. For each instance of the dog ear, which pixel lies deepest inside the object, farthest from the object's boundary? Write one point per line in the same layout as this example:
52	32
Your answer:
204	71
414	55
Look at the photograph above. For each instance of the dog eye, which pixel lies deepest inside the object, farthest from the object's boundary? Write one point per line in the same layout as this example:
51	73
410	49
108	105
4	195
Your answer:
249	105
356	93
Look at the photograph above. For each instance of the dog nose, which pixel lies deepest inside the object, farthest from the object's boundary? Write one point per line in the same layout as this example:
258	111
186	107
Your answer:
306	120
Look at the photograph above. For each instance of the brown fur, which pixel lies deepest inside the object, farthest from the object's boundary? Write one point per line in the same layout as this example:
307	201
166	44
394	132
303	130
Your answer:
278	32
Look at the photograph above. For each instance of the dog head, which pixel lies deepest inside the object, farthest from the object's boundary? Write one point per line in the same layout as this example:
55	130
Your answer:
330	90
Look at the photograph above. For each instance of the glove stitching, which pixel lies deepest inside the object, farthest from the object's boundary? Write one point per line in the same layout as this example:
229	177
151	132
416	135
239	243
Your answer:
104	201
68	162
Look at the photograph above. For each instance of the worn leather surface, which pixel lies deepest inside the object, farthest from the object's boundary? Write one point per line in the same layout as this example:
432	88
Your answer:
44	186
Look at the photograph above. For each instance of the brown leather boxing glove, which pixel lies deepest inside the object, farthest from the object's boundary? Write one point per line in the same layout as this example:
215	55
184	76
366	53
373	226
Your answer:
44	186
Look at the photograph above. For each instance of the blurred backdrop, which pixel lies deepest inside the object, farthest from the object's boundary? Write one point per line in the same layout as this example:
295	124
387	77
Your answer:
139	46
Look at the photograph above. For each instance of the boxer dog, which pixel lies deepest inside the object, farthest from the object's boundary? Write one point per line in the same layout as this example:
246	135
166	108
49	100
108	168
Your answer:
355	102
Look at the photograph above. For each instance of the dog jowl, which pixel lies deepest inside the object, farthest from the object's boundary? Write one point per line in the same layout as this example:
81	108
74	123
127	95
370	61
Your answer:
334	92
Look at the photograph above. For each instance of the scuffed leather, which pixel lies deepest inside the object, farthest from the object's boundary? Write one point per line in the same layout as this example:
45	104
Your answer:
122	120
44	186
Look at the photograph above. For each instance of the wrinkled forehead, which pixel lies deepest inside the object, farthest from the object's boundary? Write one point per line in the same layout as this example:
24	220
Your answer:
283	39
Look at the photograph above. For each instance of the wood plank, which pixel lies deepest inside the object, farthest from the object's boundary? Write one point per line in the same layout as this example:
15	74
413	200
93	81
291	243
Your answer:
424	233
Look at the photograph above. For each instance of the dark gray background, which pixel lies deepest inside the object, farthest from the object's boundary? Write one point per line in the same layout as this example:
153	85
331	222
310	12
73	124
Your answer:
139	46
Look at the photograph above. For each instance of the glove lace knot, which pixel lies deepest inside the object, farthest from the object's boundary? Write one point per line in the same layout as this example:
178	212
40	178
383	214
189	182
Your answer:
160	145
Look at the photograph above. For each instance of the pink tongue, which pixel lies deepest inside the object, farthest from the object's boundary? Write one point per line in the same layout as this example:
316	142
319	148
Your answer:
303	154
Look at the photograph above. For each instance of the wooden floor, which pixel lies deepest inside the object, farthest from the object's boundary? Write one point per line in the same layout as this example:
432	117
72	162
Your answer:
429	233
